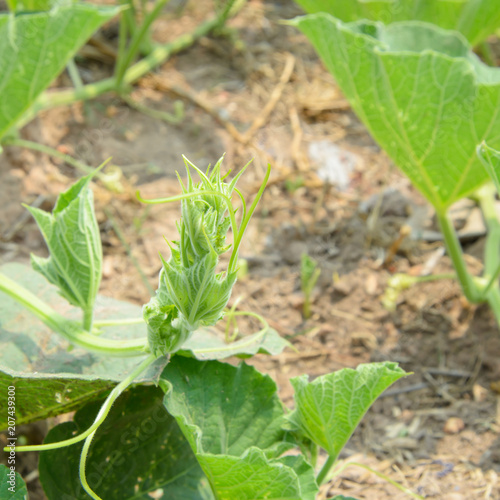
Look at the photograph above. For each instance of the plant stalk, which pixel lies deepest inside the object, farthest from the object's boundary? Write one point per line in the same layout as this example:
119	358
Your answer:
69	329
103	412
128	56
325	469
455	253
41	148
486	197
158	55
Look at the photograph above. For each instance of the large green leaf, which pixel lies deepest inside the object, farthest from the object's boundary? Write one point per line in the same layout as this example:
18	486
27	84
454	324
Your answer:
49	378
330	408
35	47
491	161
230	415
12	486
138	452
475	19
423	95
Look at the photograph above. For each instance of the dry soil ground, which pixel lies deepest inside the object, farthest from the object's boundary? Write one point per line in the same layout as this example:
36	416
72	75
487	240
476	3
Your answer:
260	92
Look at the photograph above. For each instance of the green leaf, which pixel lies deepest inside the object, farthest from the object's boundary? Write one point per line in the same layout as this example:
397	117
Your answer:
230	415
330	408
35	47
475	19
222	409
253	477
50	379
12	486
424	96
490	158
72	236
138	451
38	5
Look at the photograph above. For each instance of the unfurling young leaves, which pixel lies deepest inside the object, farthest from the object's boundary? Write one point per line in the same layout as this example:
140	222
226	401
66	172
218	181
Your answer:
191	293
72	236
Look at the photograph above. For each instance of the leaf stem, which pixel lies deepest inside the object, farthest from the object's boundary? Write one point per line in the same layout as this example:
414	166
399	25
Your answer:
103	412
88	319
455	253
128	56
485	197
157	56
74	74
69	329
41	148
493	298
117	322
325	469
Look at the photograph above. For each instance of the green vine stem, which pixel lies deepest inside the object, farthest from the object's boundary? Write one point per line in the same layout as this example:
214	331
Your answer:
455	253
157	56
105	323
35	146
320	479
493	298
486	198
101	416
69	329
103	413
128	55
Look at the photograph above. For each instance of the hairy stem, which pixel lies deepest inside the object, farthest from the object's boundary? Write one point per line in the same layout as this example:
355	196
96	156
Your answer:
128	56
88	319
69	329
455	253
157	56
325	469
35	146
118	322
486	198
103	412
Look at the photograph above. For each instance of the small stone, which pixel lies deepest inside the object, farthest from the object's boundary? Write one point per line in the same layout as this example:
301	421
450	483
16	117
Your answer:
479	393
454	425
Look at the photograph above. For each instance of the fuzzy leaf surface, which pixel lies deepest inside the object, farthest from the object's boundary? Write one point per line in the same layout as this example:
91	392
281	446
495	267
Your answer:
49	379
35	47
328	410
138	451
230	415
423	95
18	492
475	19
72	235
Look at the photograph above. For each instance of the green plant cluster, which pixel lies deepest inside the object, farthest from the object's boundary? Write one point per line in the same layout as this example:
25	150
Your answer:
208	430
